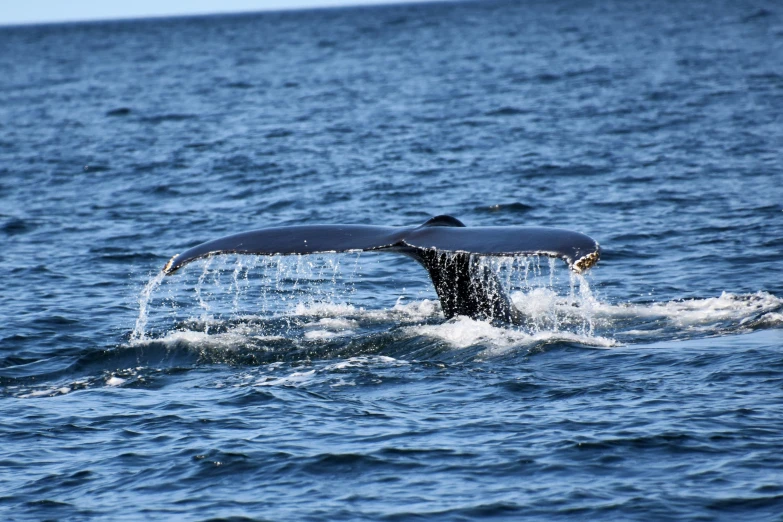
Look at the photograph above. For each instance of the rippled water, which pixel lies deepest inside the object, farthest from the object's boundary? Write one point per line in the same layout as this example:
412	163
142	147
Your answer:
330	387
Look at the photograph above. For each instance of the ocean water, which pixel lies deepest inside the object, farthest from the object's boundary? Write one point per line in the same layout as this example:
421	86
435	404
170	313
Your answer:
330	387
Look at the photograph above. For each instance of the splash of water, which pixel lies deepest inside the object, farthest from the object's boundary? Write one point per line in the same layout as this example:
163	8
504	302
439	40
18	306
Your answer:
228	288
138	333
257	303
202	303
291	286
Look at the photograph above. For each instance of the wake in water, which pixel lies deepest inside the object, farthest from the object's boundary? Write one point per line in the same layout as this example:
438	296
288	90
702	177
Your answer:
288	307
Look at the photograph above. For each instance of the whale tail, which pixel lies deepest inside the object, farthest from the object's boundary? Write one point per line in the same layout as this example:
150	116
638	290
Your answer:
467	287
446	248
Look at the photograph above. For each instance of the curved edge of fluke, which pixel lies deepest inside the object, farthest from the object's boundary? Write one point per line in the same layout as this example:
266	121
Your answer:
440	233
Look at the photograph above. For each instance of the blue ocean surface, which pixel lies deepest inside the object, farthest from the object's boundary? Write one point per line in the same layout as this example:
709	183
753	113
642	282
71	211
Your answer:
330	386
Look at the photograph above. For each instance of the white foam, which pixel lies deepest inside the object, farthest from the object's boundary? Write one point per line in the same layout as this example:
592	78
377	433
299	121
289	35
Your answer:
416	310
334	374
342	382
115	381
413	311
295	379
726	307
235	337
47	392
333	323
364	361
463	332
320	335
771	319
702	313
325	309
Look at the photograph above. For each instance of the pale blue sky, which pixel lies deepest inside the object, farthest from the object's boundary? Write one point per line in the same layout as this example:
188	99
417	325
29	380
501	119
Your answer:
34	11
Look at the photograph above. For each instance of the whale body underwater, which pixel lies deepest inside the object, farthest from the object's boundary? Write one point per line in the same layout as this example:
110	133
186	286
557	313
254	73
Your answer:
443	245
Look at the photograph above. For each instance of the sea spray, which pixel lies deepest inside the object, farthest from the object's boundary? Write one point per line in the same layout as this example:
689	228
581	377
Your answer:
271	295
585	301
204	304
138	333
237	283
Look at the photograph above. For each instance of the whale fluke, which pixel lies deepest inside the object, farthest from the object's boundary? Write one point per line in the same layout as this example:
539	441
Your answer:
443	245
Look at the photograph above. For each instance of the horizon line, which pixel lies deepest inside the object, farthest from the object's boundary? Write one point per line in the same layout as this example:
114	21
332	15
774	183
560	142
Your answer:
201	14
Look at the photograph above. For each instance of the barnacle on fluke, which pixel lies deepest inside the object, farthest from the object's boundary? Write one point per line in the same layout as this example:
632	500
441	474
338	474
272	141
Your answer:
586	262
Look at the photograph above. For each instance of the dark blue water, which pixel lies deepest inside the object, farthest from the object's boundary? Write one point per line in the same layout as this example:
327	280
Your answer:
330	387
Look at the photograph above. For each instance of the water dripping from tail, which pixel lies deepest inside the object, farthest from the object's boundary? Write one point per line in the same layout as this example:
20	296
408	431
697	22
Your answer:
138	333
